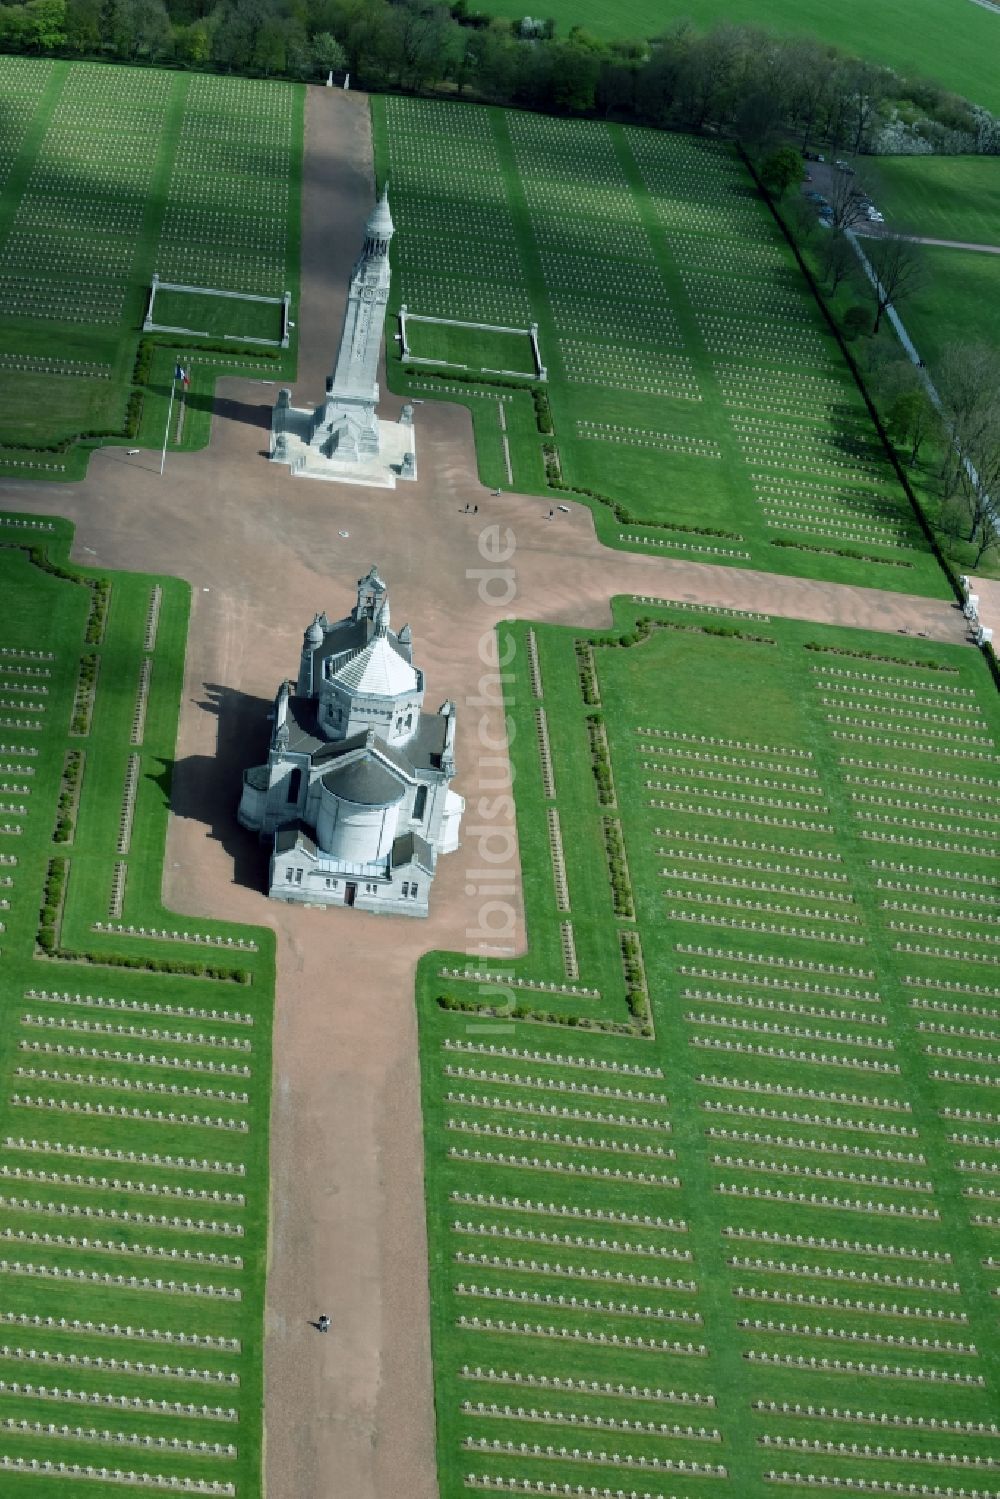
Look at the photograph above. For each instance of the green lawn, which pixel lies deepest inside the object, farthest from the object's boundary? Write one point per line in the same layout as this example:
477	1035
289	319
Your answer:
134	1070
107	175
657	1251
960	304
478	350
218	317
942	197
699	401
952	41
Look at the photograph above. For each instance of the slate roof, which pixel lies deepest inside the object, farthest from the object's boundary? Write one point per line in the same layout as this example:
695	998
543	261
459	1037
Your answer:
410	848
422	752
295	835
425	748
365	781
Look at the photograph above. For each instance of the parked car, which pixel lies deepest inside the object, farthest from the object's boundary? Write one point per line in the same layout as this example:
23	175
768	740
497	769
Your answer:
845	166
875	216
815	197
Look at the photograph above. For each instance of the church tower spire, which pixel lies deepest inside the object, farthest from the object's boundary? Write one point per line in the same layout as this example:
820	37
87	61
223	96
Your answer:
379	228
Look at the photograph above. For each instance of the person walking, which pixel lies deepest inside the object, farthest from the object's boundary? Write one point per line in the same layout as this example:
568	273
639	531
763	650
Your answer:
324	1322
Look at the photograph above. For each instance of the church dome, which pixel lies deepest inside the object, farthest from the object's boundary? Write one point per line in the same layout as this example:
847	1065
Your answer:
377	670
314	635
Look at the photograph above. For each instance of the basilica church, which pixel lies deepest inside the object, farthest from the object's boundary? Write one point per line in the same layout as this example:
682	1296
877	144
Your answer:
355	793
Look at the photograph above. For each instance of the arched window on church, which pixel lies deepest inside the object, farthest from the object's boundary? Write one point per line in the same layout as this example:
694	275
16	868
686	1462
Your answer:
294	785
409	721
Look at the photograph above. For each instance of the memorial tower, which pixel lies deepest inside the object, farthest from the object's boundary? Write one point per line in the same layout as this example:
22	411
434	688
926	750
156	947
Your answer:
347	419
343	438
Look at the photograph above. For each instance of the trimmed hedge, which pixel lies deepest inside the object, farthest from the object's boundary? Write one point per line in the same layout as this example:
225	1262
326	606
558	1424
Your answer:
843	650
50	914
803	546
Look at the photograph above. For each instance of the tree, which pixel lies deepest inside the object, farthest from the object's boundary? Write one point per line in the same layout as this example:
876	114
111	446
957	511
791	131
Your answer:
846	199
425	45
706	75
912	417
83	25
492	58
839	260
151	33
574	75
899	271
44	25
809	71
270	49
781	169
194	43
328	54
969	387
855	321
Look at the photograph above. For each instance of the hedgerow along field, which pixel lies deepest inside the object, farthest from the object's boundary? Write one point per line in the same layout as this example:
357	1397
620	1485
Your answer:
710	1172
952	44
135	1067
108	174
693	383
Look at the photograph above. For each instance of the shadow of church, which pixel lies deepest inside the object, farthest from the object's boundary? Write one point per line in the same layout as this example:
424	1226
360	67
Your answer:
206	788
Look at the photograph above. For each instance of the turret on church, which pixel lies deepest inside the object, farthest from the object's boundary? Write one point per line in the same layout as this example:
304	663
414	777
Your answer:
355	792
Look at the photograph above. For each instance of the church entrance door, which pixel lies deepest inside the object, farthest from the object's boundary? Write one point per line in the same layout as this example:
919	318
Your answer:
350	894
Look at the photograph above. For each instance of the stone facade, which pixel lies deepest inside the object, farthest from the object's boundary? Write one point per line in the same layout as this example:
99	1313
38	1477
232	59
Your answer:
343	439
354	795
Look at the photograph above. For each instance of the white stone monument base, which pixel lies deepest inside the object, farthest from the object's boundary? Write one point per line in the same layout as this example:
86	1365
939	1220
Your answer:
379	470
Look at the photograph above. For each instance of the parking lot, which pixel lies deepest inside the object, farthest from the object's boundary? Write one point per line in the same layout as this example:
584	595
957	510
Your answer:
827	181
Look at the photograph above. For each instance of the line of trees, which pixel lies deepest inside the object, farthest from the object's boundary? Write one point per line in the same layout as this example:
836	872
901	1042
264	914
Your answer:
959	433
737	79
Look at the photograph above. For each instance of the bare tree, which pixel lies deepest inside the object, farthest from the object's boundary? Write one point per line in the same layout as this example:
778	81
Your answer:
839	260
969	386
847	200
900	270
810	72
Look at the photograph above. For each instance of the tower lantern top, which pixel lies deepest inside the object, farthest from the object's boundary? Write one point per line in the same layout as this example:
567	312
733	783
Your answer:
379	227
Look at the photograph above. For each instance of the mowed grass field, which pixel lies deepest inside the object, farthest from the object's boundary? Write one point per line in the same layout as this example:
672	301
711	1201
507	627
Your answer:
757	1247
219	317
134	1069
108	174
479	351
698	398
959	305
941	197
953	42
952	198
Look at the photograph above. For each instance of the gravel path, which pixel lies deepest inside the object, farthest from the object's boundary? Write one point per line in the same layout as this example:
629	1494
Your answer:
876	231
351	1414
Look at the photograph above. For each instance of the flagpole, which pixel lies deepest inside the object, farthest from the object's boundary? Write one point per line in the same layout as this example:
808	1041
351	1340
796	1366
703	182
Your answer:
166	430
